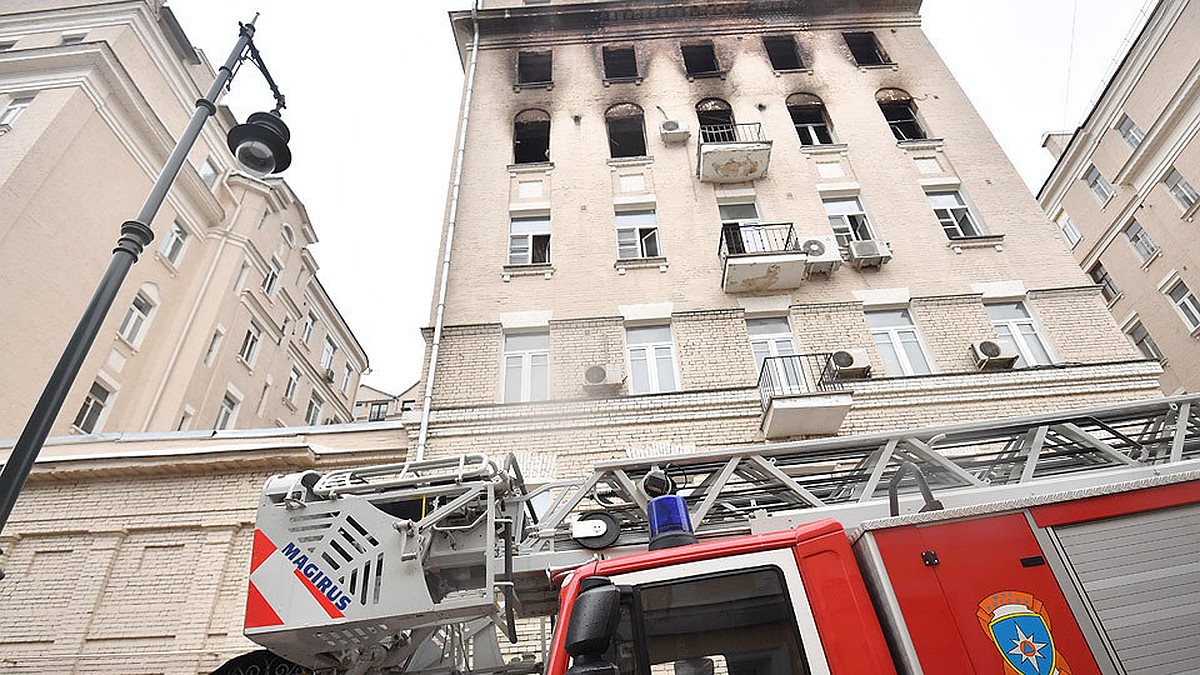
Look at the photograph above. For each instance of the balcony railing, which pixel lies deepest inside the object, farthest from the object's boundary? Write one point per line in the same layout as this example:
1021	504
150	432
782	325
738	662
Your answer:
732	133
749	239
797	375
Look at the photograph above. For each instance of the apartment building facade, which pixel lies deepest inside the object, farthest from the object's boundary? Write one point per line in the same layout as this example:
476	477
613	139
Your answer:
1124	194
222	323
676	215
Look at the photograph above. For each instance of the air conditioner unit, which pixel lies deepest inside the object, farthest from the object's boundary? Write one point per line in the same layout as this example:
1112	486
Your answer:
674	131
869	253
852	363
994	354
822	254
329	375
603	376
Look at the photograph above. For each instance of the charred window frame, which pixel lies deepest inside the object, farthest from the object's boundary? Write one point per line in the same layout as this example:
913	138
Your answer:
782	51
626	130
901	114
534	68
531	137
715	118
810	119
866	50
620	64
700	60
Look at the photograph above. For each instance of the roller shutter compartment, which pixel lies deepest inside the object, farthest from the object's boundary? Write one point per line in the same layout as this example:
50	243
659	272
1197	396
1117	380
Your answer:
1141	575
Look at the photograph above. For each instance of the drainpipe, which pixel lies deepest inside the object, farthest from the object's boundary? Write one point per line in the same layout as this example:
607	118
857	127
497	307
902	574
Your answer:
440	314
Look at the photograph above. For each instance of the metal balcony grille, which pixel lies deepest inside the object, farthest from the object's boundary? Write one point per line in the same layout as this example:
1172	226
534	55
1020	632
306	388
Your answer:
732	133
797	375
749	239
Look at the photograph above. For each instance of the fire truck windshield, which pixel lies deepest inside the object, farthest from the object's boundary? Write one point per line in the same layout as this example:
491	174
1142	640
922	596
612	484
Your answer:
736	623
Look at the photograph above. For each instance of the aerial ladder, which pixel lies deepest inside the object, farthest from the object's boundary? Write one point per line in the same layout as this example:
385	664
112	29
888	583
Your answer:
430	566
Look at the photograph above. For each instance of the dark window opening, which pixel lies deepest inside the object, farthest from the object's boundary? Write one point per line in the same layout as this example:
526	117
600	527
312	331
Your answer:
626	131
531	137
540	254
533	68
716	121
866	49
901	116
620	63
700	59
782	52
810	120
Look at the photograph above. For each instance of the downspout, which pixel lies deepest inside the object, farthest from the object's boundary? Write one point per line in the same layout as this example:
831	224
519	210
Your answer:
455	188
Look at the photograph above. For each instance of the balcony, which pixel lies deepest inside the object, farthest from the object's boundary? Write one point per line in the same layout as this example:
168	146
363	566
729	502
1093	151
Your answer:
761	257
802	396
732	153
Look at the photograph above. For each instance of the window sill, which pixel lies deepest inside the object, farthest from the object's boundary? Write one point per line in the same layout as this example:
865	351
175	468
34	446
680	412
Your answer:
709	75
1189	215
1150	261
983	241
640	263
792	71
249	368
291	405
922	144
542	270
129	346
825	149
640	160
533	85
530	167
4	129
636	79
172	268
1115	300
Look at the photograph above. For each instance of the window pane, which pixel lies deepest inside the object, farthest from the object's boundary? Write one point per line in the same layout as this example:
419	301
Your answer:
768	326
512	378
730	212
639	371
650	243
912	349
526	342
1037	351
539	380
1006	310
636	219
647	334
530	225
887	353
889	318
666	368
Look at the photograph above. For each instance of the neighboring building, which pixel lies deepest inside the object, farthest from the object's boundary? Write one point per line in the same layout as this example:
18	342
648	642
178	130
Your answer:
1124	193
222	323
375	405
672	214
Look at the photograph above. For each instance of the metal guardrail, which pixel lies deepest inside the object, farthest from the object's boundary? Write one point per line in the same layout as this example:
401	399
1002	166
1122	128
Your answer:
751	239
732	133
797	375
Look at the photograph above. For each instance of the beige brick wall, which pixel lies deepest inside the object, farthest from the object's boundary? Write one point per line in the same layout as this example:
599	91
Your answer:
468	365
578	344
713	350
1079	326
949	325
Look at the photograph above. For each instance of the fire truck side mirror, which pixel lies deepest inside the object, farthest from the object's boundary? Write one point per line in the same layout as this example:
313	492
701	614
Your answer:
593	622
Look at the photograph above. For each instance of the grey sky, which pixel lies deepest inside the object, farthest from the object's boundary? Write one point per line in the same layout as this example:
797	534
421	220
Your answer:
387	70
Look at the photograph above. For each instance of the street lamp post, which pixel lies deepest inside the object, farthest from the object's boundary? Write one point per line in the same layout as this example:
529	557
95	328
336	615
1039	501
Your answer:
260	144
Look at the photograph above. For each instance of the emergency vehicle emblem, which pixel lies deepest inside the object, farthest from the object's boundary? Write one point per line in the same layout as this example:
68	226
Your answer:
1019	625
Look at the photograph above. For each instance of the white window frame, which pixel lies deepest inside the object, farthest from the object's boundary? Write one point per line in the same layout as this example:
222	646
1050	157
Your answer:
310	322
214	346
137	319
173	245
1101	189
93	404
227	414
271	279
894	335
650	352
1140	241
765	344
312	414
15	107
208	173
328	352
951	216
637	235
1130	131
1187	305
347	375
848	224
1183	192
523	358
293	383
523	232
186	417
250	343
240	277
1019	338
377	411
1070	231
1145	343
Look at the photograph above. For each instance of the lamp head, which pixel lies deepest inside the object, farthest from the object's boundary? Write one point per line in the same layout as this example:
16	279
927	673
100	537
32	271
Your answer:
260	144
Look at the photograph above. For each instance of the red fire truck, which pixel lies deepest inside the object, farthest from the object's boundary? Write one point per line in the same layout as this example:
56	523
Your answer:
1061	543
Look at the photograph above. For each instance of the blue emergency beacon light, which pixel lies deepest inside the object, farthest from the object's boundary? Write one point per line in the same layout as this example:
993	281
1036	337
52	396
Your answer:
669	522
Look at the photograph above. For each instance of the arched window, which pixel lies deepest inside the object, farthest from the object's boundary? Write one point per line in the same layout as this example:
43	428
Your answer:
531	137
901	114
626	130
716	121
812	123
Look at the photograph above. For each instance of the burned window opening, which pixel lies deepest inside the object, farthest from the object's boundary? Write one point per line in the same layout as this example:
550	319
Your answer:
716	121
620	63
781	49
810	119
626	130
700	60
865	49
534	68
531	137
901	114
